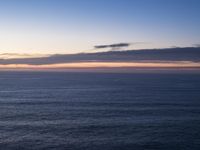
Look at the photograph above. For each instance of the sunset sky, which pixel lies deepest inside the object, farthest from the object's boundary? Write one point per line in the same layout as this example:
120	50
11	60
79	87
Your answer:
70	26
39	28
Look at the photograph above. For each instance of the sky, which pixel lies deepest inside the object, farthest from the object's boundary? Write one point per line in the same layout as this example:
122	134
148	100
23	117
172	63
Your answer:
73	26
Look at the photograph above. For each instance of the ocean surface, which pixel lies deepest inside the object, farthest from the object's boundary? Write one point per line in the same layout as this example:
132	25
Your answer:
99	111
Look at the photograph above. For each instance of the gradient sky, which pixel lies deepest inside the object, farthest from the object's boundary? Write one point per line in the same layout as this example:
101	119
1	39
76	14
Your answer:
71	26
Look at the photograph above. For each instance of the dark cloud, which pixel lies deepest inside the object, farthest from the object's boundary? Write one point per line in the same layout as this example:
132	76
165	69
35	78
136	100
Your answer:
117	46
168	54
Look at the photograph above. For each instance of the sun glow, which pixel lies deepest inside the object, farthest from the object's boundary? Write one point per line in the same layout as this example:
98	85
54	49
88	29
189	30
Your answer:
83	65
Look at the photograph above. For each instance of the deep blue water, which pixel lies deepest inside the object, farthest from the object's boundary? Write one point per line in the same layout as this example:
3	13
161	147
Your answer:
99	111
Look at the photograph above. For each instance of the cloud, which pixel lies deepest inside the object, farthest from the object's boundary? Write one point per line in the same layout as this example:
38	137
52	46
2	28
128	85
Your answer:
113	46
117	46
191	54
197	45
16	55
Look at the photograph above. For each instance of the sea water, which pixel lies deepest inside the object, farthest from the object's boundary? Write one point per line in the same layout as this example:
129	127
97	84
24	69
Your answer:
99	111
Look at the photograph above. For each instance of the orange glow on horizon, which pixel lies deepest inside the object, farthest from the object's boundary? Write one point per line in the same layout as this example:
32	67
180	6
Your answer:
87	65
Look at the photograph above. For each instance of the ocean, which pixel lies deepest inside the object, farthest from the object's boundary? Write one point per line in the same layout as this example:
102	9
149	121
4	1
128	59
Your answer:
99	111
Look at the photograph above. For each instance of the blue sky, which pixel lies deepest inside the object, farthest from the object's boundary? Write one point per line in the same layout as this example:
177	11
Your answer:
70	26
